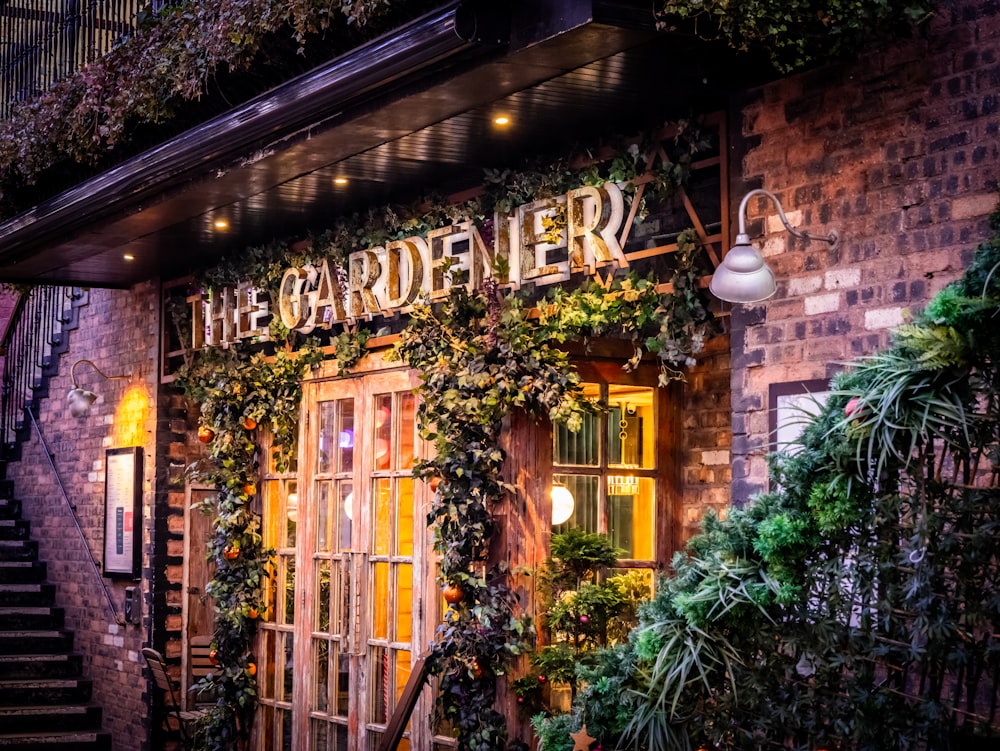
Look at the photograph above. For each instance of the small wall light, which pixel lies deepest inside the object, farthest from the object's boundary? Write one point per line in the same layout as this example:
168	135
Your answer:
562	503
80	399
744	276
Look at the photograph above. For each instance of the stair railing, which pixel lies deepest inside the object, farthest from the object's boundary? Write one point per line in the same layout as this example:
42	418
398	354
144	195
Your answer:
76	521
33	335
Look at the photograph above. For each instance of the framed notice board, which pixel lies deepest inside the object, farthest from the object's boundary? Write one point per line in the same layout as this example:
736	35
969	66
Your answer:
122	512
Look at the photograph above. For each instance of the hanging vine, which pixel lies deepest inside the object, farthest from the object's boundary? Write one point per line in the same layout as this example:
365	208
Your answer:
481	354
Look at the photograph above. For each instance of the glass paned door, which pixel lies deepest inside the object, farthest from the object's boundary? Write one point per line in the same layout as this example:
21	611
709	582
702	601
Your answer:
355	616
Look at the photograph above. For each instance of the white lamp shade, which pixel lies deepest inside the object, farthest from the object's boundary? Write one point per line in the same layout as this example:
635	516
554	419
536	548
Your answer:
80	401
562	503
743	276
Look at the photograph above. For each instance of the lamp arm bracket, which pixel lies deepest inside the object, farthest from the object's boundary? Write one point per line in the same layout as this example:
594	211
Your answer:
832	238
100	372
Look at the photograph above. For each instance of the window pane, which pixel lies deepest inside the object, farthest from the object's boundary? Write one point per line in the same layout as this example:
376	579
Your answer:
378	680
585	490
345	514
287	667
345	436
320	730
582	448
267	651
631	519
321	675
323	596
380	601
322	515
404	518
407	430
382	516
341	689
383	431
630	427
402	672
288	565
327	428
404	602
291	513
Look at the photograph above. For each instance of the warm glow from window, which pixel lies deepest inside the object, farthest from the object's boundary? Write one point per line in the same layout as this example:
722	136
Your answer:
128	257
340	181
501	120
221	224
129	428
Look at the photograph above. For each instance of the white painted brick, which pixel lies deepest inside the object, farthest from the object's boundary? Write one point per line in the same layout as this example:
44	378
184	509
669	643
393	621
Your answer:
772	246
804	285
884	318
827	303
774	221
119	641
714	458
92	477
843	278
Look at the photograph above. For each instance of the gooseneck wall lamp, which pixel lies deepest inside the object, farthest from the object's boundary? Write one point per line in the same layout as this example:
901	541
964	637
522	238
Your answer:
744	276
80	399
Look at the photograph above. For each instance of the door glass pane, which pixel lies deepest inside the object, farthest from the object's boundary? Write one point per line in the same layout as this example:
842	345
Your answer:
382	516
287	667
342	686
291	513
345	515
321	674
630	427
319	735
404	517
585	490
323	595
380	601
267	650
322	515
380	684
407	430
327	434
383	431
402	672
630	519
345	437
582	448
404	602
287	566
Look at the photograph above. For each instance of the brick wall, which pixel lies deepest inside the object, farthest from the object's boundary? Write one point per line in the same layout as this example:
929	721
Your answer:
118	332
899	153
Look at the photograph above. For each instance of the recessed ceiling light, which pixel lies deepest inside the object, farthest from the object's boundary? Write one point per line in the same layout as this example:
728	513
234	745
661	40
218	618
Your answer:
221	224
340	181
128	257
501	120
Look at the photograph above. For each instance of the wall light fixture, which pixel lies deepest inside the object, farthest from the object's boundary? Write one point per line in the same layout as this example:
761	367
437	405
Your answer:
744	276
80	399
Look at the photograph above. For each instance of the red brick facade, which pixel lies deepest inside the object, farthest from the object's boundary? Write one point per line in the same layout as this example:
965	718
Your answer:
899	153
118	331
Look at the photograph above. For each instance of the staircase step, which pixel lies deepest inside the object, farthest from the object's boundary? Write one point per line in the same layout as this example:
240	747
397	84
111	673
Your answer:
59	718
27	594
23	618
19	692
18	550
35	642
22	572
10	508
40	666
7	489
15	529
70	741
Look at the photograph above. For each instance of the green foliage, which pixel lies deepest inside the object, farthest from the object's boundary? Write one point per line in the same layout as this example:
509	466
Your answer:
171	58
854	607
797	33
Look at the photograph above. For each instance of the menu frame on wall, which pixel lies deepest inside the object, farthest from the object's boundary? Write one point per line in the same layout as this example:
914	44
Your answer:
123	512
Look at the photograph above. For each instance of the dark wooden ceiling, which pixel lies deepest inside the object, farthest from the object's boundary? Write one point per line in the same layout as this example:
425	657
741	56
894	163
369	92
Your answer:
267	169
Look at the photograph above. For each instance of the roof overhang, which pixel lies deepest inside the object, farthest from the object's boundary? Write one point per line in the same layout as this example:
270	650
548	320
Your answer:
406	113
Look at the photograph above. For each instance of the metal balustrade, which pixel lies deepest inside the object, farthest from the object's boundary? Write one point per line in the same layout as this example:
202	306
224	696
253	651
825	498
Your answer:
44	41
35	336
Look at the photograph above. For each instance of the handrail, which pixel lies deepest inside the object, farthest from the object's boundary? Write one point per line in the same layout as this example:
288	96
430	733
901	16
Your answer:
76	521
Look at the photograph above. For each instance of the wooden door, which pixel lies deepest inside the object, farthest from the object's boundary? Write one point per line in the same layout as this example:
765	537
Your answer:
361	556
198	610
